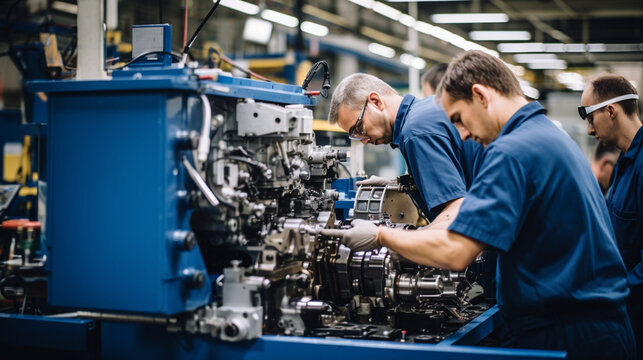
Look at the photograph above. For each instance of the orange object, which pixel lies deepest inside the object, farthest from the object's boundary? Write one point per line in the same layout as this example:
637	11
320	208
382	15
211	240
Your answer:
20	223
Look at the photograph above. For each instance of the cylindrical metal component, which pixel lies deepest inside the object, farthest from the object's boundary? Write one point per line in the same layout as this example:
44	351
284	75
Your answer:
183	240
194	279
429	287
406	286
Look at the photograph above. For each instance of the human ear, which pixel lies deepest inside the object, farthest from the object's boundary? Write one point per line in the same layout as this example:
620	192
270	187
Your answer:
375	99
611	109
481	94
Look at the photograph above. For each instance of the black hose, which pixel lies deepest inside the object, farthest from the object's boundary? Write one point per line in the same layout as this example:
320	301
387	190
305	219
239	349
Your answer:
198	29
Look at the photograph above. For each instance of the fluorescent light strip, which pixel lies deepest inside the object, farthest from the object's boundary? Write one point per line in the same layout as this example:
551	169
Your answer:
526	58
365	3
279	18
385	10
469	18
407	20
241	6
521	47
573	81
381	50
500	35
450	37
529	91
413	61
566	48
548	65
314	28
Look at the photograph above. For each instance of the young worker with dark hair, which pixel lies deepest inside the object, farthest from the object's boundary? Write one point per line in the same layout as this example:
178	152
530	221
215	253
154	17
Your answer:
561	282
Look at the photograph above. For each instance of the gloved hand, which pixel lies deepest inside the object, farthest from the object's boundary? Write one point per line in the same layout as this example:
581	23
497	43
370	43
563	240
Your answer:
361	237
376	181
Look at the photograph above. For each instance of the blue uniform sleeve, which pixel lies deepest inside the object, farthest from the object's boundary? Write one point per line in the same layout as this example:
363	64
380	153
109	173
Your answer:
496	205
435	167
635	275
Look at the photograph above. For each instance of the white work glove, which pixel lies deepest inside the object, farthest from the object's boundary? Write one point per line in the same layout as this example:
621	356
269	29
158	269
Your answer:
376	181
361	237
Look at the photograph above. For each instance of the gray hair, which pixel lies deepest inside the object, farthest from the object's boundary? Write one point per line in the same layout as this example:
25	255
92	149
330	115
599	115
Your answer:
353	91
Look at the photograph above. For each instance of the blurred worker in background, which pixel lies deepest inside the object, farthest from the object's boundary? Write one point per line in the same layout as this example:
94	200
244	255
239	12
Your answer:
610	106
561	282
432	78
605	157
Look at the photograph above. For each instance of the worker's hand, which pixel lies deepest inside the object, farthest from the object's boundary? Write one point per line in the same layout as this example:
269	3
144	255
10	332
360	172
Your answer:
376	181
361	237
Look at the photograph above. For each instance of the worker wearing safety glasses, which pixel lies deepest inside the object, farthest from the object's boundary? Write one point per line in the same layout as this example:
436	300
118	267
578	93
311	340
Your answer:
609	104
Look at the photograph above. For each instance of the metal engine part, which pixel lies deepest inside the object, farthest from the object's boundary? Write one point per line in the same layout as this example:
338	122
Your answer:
272	188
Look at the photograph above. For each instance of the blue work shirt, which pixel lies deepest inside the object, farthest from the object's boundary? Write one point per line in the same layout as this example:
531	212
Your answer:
625	204
442	165
536	200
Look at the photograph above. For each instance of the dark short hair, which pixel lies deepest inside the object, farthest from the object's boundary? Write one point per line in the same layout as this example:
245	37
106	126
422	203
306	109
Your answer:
476	67
610	86
603	150
434	75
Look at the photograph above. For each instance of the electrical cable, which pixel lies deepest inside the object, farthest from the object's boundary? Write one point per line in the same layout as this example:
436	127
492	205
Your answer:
311	75
231	62
174	55
160	11
185	24
187	47
345	168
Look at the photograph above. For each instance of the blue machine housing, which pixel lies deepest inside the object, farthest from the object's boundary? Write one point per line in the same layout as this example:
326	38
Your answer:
116	193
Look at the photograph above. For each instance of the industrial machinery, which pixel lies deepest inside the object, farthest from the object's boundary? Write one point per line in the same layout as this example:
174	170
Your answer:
184	211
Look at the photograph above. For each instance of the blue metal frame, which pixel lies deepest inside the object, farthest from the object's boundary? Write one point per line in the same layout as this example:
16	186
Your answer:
30	331
135	341
148	341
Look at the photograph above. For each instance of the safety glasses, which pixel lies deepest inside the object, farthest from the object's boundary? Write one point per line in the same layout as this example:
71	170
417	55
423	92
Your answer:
584	111
355	132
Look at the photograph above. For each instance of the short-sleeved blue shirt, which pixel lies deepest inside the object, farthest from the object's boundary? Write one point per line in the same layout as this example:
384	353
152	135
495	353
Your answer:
535	199
442	165
625	204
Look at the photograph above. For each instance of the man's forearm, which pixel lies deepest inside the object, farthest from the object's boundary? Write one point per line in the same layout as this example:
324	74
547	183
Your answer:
437	248
447	215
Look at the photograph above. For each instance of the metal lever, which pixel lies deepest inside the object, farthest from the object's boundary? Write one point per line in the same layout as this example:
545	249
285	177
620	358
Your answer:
200	183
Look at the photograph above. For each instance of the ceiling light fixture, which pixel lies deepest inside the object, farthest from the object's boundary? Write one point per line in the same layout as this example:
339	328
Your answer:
241	6
257	30
573	81
556	64
381	50
566	48
413	61
407	20
365	3
526	58
469	18
279	18
500	35
453	39
314	28
385	10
